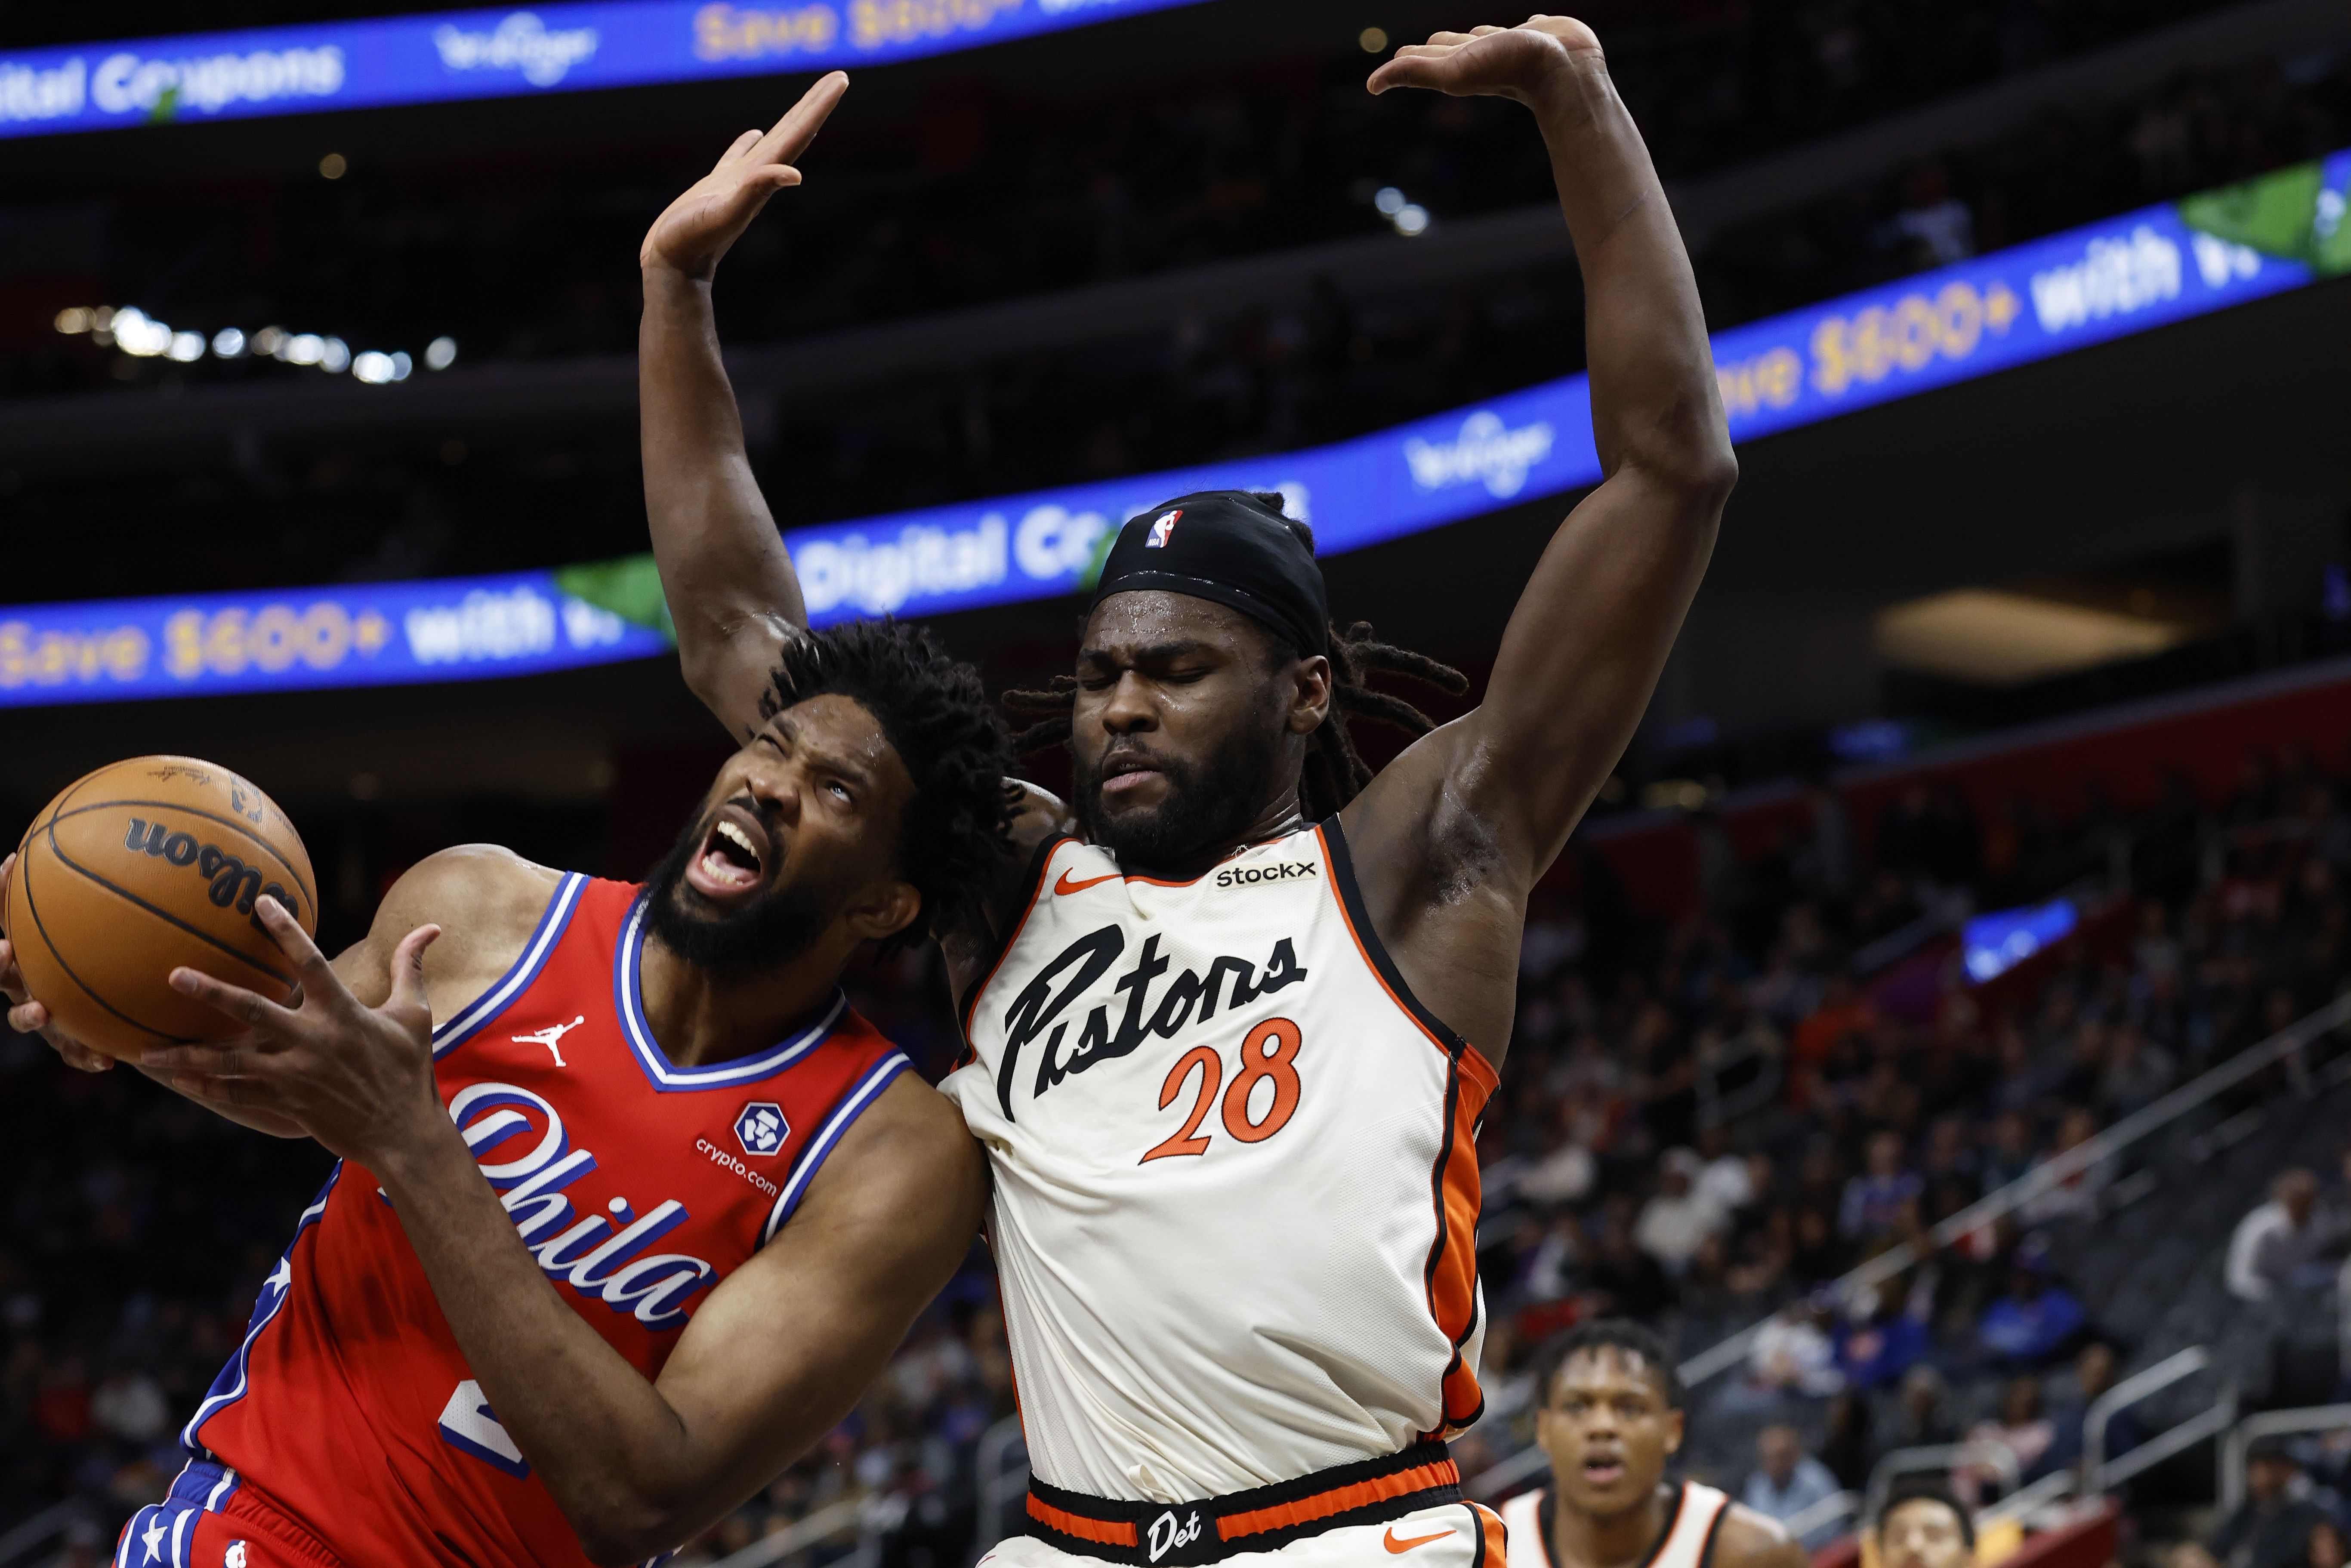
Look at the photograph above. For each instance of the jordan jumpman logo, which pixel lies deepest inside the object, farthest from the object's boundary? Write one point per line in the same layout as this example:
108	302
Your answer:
552	1037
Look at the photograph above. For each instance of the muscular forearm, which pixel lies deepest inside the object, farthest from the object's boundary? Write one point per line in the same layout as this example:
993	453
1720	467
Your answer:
1654	401
724	569
605	1442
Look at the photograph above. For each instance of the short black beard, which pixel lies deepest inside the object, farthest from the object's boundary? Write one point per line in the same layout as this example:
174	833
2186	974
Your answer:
1210	803
773	928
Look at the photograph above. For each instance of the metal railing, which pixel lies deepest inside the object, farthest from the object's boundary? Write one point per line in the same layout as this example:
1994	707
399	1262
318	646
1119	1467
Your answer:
1501	1476
838	1518
2208	1422
42	1528
2342	1316
2287	1043
2238	1443
2128	1391
1944	1457
1834	1509
2053	1488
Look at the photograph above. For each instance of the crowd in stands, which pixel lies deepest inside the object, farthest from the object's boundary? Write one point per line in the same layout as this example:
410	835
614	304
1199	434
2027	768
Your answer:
983	196
139	1226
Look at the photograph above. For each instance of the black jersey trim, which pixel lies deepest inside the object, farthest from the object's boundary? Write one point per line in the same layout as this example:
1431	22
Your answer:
1342	877
1034	886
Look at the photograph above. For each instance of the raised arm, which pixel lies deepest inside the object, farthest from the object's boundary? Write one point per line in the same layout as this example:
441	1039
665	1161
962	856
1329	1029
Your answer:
729	584
1582	650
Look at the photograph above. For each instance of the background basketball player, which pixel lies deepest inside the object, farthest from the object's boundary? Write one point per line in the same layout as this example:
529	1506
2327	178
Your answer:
1923	1525
1187	1391
1610	1419
714	1198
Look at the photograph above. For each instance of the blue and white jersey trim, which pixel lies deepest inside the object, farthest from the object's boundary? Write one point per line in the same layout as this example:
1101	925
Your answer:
165	1532
469	1020
852	1106
230	1385
628	1000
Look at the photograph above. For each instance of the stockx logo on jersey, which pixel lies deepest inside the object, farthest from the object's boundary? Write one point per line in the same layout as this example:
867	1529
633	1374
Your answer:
1188	998
1161	526
761	1128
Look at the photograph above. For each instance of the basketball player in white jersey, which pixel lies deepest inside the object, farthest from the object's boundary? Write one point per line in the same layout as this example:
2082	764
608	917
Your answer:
1234	1013
1610	1419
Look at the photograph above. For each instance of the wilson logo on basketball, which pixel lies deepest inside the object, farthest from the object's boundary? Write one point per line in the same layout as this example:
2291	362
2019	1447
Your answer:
233	882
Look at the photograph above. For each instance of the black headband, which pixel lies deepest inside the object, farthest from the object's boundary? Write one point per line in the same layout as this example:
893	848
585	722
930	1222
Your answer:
1229	546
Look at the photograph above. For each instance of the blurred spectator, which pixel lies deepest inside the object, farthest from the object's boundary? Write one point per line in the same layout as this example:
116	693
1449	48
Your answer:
1933	227
2094	1375
2037	1319
1630	1281
1726	1180
1787	1480
2010	1154
1565	1173
1677	1222
1880	1341
2271	1528
2020	1427
2280	1242
2138	1073
1792	1355
130	1406
1921	1419
2326	1547
1875	1200
2075	1197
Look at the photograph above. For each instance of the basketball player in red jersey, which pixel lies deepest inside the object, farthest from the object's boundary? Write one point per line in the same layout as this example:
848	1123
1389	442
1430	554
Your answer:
1233	1022
1610	1419
714	1198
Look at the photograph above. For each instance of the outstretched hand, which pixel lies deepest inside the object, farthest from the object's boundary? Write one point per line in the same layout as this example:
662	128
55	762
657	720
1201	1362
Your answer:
701	226
1490	62
357	1079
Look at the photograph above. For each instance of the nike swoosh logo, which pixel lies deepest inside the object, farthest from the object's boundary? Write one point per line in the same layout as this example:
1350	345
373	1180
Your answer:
1066	886
1392	1544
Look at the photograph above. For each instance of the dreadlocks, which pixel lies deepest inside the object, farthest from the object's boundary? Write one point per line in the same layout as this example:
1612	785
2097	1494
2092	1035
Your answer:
1336	772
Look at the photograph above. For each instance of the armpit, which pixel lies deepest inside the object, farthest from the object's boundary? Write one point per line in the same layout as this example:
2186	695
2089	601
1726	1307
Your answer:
1465	853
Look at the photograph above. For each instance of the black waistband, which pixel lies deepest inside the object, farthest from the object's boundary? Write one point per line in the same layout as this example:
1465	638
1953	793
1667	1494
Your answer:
1180	1535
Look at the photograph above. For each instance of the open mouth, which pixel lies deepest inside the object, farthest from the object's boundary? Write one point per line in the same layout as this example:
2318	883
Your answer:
734	857
1601	1472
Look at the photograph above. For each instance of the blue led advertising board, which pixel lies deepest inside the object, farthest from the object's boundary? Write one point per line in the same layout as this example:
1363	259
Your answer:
2127	274
451	55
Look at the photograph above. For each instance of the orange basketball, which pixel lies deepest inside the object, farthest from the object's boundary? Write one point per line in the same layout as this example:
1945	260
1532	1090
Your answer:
141	867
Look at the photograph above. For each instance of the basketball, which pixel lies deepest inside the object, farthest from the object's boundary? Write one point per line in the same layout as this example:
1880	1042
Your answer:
137	869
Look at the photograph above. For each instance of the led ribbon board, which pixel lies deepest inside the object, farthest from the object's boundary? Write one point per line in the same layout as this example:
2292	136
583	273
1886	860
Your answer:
2106	280
452	55
369	634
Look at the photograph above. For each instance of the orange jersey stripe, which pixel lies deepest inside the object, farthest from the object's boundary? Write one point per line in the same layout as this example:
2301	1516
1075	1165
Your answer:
1108	1534
1339	1499
1497	1540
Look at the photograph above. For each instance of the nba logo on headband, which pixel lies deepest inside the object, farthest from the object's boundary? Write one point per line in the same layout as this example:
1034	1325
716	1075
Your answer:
1161	527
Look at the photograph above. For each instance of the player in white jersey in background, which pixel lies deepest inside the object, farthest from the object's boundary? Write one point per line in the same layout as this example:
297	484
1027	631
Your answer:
1609	1419
1222	1010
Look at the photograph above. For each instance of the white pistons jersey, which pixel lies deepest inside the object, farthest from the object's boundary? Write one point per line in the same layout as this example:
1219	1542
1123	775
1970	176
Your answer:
1236	1177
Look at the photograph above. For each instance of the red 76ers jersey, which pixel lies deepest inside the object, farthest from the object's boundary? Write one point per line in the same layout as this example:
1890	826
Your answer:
638	1185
